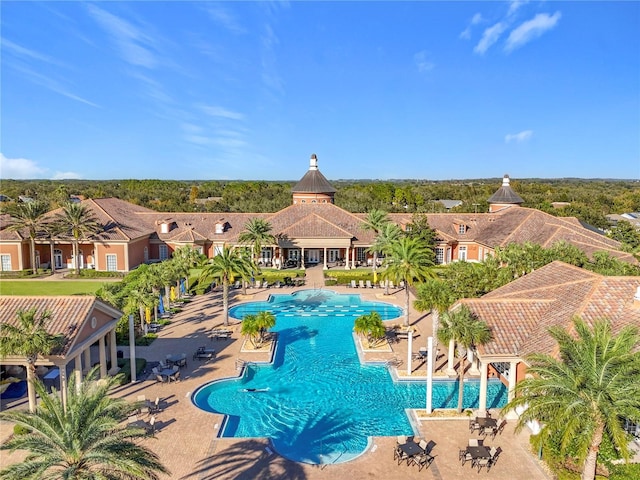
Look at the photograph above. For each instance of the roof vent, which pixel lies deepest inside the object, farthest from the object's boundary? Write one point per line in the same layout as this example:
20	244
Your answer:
636	297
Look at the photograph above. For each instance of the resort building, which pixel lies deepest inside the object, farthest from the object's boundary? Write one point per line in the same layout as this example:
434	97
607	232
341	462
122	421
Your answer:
80	321
521	313
311	231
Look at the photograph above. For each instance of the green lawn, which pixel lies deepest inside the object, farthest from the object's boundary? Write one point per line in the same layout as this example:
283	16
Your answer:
46	287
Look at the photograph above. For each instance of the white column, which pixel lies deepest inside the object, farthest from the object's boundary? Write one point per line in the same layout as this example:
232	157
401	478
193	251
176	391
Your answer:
78	372
87	359
473	370
353	258
346	263
452	352
63	385
325	259
113	354
103	357
302	258
132	349
513	365
409	353
484	367
429	375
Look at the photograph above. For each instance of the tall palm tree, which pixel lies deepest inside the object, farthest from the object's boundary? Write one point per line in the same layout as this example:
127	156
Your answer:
389	235
186	257
409	261
256	234
375	221
467	331
584	392
434	295
30	217
85	439
77	221
226	265
28	338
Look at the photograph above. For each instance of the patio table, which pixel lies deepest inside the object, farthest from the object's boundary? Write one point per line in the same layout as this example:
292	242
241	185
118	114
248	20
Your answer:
486	422
479	452
411	449
177	358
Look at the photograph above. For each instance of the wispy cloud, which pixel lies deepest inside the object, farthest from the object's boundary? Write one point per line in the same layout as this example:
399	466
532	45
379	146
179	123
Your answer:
26	53
217	111
223	17
518	137
135	46
270	75
421	59
475	20
489	37
20	168
515	5
531	29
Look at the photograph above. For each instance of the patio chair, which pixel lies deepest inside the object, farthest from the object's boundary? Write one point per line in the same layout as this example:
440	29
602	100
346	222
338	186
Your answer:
161	379
495	453
401	439
483	462
151	426
353	284
155	406
500	429
361	283
422	460
400	455
175	376
473	425
163	365
464	456
474	442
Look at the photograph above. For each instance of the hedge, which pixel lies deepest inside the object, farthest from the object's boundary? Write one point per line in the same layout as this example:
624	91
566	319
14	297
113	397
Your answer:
125	367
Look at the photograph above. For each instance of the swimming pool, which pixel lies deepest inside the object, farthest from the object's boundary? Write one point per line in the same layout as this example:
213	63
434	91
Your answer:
316	402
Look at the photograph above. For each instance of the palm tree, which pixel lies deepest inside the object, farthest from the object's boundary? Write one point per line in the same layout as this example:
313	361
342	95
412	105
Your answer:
186	257
254	326
257	232
226	265
409	261
370	325
84	439
28	338
77	221
583	393
434	295
467	331
30	217
389	235
375	221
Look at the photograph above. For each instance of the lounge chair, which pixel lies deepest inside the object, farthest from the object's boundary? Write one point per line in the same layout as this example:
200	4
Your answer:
381	283
353	284
361	283
369	284
265	284
155	406
278	284
391	284
151	426
402	284
237	284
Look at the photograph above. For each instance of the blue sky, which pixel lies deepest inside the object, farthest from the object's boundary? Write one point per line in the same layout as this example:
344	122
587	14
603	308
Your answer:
249	90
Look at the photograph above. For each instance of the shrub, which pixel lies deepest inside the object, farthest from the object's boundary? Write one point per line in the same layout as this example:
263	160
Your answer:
625	471
90	273
146	340
125	368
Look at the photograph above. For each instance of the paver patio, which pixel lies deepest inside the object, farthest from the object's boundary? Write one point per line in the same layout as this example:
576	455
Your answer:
186	438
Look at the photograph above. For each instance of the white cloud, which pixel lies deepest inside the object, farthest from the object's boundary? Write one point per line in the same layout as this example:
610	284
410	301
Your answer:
531	29
66	176
422	61
133	43
217	111
489	37
224	18
466	33
20	51
20	168
518	137
515	5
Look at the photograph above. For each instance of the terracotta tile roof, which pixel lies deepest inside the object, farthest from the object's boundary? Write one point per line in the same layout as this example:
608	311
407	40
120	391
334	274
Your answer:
521	312
314	226
68	313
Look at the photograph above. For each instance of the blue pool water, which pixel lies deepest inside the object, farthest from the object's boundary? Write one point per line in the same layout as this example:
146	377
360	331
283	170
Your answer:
316	402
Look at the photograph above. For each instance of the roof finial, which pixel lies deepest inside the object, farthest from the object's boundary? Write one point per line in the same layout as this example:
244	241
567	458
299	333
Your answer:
313	163
505	180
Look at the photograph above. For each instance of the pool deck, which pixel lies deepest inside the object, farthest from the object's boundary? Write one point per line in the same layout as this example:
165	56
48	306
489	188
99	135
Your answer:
186	438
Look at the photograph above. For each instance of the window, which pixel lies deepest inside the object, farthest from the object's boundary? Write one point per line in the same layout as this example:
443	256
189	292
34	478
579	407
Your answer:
5	263
164	252
112	262
462	253
217	250
462	229
439	255
361	254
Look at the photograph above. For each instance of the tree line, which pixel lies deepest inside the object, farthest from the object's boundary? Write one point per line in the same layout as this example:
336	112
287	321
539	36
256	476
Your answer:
588	200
